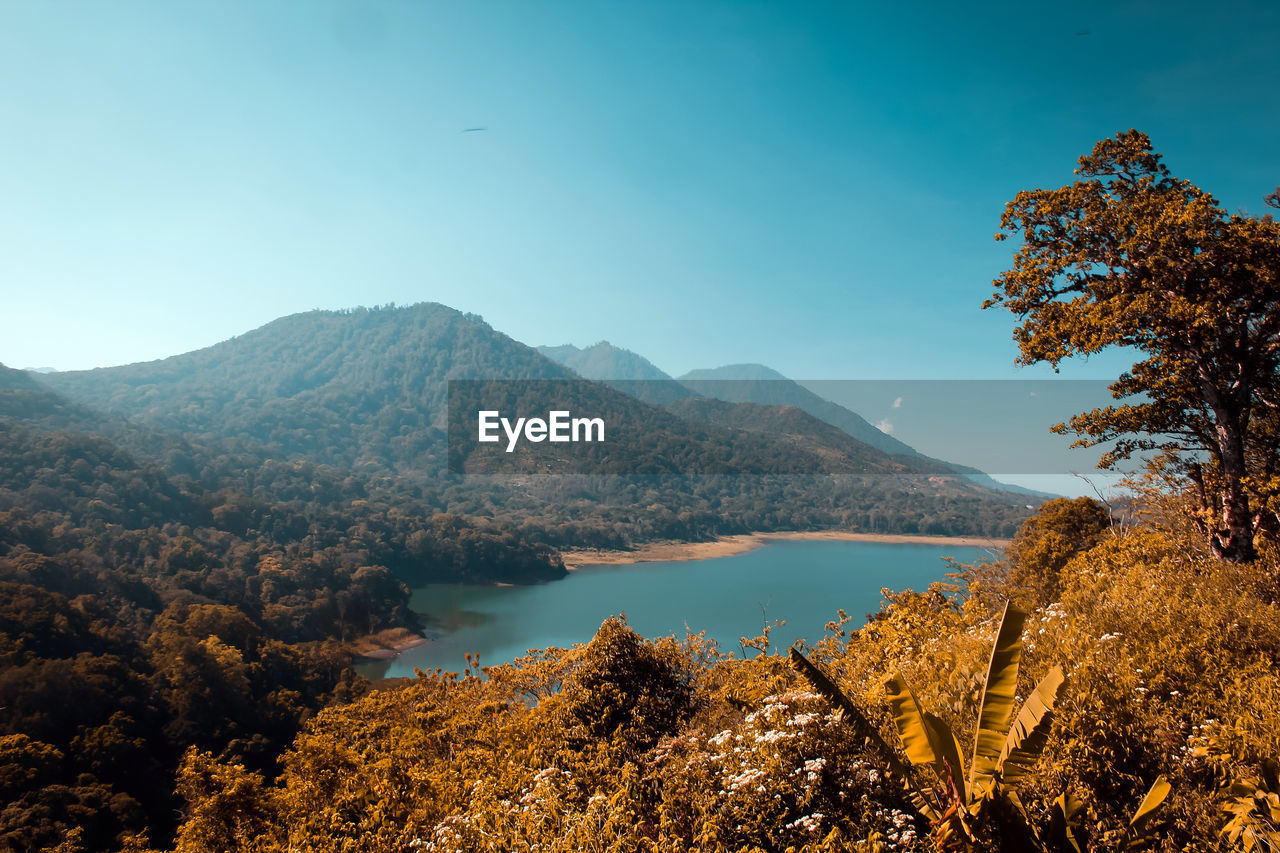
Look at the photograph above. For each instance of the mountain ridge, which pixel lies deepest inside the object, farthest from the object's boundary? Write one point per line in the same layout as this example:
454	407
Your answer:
755	383
603	361
367	392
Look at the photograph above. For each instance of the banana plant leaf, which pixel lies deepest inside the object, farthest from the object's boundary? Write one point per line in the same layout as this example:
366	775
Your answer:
997	697
945	743
914	731
1030	731
1152	801
926	739
1063	824
864	727
836	697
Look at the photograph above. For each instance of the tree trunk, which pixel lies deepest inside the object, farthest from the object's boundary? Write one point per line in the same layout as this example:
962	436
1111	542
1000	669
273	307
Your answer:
1233	542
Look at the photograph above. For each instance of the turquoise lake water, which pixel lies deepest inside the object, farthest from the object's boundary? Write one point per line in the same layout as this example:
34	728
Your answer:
802	582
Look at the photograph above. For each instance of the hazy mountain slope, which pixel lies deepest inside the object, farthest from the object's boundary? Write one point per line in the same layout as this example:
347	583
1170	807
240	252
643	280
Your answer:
604	361
27	400
755	383
753	386
841	451
23	398
621	369
17	379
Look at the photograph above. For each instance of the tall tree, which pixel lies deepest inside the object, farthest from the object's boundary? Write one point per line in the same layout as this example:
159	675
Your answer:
1131	256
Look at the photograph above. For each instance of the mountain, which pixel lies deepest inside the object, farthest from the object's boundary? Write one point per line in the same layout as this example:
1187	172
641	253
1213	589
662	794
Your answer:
372	387
755	383
16	379
621	369
838	450
605	361
26	399
734	383
366	393
339	387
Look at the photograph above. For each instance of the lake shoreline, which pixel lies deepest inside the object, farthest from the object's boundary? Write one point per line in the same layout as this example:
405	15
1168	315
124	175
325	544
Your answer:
728	546
385	645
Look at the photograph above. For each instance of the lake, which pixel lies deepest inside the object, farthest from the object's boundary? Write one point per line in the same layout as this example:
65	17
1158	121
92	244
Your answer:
802	582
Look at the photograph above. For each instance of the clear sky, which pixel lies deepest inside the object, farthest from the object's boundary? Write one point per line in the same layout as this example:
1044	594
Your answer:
813	186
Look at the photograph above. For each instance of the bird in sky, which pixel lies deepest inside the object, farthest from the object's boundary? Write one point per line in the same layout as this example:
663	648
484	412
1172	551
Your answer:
473	129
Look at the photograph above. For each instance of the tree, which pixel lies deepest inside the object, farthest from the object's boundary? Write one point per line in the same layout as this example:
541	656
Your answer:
1131	256
628	689
1047	541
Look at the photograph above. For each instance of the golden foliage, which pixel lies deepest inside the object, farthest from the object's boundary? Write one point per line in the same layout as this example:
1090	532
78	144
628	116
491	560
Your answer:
1172	665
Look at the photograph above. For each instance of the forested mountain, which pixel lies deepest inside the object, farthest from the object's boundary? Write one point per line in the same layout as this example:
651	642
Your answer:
838	450
735	383
338	387
24	398
740	383
755	383
366	391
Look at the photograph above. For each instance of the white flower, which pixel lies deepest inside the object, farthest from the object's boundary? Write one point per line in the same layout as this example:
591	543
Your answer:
747	777
774	735
809	823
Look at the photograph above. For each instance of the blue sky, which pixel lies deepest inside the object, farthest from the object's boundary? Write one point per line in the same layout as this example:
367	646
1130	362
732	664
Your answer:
813	186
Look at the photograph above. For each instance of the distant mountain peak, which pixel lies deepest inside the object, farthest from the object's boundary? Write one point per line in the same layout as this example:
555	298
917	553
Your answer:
11	378
603	362
740	372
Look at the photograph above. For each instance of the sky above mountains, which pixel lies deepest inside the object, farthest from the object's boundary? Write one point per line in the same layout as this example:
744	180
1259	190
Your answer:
813	186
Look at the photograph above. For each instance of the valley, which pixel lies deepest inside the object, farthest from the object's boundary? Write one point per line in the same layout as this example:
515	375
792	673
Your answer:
217	535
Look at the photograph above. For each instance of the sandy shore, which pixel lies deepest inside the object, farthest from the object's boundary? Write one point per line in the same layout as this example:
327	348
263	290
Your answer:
385	645
727	546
